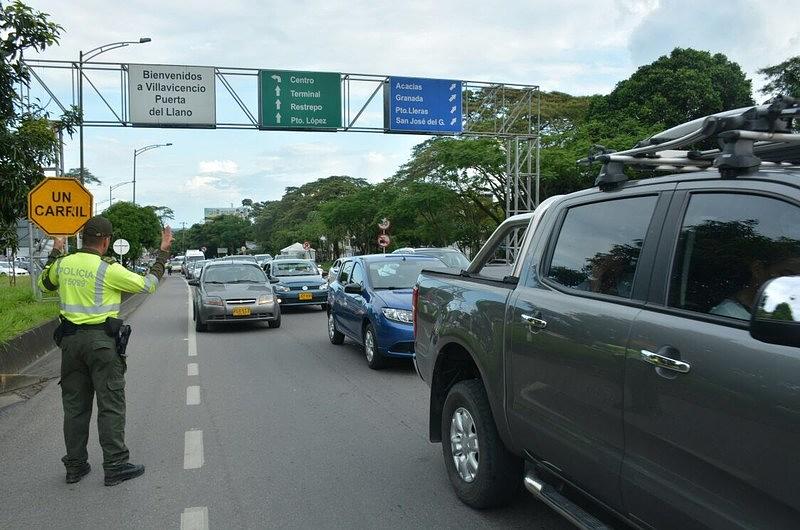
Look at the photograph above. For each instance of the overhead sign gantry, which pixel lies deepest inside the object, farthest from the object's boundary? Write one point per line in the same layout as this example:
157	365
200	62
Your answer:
153	95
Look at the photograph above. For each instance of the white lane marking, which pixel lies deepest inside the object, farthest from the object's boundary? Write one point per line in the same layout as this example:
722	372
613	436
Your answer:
193	450
192	369
193	395
195	518
192	338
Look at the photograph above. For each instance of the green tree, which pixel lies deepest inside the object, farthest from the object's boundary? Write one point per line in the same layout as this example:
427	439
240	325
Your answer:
226	231
139	225
295	217
677	88
356	216
783	311
88	176
29	139
164	213
474	168
783	78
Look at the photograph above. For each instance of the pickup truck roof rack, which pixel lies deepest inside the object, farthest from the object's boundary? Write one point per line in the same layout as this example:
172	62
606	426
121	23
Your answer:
748	138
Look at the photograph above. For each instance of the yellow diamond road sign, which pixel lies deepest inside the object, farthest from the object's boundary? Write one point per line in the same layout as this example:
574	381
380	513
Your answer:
60	206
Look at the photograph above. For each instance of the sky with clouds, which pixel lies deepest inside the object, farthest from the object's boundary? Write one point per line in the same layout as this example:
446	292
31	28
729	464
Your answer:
573	46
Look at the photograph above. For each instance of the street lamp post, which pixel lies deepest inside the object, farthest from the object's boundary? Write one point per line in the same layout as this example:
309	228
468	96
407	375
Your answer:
137	152
85	57
115	186
98	203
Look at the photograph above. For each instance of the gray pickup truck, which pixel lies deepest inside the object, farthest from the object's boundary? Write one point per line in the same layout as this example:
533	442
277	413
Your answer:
636	344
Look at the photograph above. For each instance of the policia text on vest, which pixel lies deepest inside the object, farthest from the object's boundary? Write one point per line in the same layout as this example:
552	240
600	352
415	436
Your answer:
92	340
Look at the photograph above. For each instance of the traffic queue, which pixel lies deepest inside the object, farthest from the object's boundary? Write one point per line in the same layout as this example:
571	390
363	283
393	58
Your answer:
366	299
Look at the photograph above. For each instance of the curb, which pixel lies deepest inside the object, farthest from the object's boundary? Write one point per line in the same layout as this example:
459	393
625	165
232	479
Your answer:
32	346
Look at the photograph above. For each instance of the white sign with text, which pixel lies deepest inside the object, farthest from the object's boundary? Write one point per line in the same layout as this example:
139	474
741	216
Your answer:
171	96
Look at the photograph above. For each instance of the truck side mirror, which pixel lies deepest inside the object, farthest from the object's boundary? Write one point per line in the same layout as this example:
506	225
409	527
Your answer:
776	315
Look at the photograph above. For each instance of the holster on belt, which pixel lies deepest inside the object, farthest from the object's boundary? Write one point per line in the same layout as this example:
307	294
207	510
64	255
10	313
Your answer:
121	333
64	328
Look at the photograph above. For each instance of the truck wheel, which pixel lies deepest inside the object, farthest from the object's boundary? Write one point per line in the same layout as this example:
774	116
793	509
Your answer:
336	336
483	472
375	358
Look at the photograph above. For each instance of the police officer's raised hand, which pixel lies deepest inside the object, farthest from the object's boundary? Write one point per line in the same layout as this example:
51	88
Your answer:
166	238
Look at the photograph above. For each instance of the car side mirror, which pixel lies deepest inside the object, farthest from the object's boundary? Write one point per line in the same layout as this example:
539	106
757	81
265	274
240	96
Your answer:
353	288
273	279
324	274
193	282
776	316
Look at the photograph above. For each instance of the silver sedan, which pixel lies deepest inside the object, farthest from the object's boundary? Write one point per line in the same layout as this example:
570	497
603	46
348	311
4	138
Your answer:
229	292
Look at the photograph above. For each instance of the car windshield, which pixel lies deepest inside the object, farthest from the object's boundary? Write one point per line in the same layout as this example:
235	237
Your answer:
293	268
399	273
451	258
234	274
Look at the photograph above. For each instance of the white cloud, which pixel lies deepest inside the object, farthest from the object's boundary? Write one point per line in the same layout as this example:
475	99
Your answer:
218	166
746	32
199	183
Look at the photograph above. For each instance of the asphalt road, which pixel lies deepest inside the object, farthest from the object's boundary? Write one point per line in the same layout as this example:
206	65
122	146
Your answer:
283	430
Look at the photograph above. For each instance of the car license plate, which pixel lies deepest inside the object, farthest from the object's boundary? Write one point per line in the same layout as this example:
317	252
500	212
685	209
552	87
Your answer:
241	311
306	296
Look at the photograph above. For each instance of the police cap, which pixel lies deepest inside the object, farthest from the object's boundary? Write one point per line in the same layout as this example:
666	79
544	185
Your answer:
97	226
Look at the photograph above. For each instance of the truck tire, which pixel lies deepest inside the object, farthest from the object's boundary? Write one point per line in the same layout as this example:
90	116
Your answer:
375	358
487	474
336	336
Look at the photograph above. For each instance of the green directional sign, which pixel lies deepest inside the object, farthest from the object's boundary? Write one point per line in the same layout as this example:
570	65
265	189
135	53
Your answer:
299	100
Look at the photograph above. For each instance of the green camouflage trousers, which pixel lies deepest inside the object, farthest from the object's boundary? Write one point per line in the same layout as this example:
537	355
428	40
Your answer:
90	366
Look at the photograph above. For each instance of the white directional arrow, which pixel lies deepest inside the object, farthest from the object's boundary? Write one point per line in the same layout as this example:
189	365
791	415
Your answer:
453	121
277	91
277	78
278	118
452	109
278	104
453	86
452	98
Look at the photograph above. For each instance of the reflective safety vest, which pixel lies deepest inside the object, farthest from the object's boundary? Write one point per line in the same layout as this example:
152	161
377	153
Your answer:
90	287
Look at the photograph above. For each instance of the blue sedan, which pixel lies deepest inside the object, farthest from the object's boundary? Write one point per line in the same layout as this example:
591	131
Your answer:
298	282
370	302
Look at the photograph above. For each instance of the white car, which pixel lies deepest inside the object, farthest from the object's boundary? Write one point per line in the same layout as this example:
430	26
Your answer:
7	269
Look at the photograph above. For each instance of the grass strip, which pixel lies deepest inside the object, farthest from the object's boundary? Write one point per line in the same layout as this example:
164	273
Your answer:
19	309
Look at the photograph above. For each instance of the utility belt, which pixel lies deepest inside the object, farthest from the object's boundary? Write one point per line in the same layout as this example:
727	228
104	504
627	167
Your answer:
114	327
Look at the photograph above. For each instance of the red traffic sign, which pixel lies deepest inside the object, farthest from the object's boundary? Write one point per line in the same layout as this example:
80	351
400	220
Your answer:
383	241
306	245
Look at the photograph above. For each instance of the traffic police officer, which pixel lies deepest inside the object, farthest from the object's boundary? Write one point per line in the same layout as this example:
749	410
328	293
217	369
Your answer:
89	288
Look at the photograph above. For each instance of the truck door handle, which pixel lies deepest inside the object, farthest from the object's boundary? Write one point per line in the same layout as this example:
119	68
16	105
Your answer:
662	361
534	322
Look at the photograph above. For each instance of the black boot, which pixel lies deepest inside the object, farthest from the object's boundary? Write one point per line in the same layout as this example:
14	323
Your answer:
123	473
75	475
